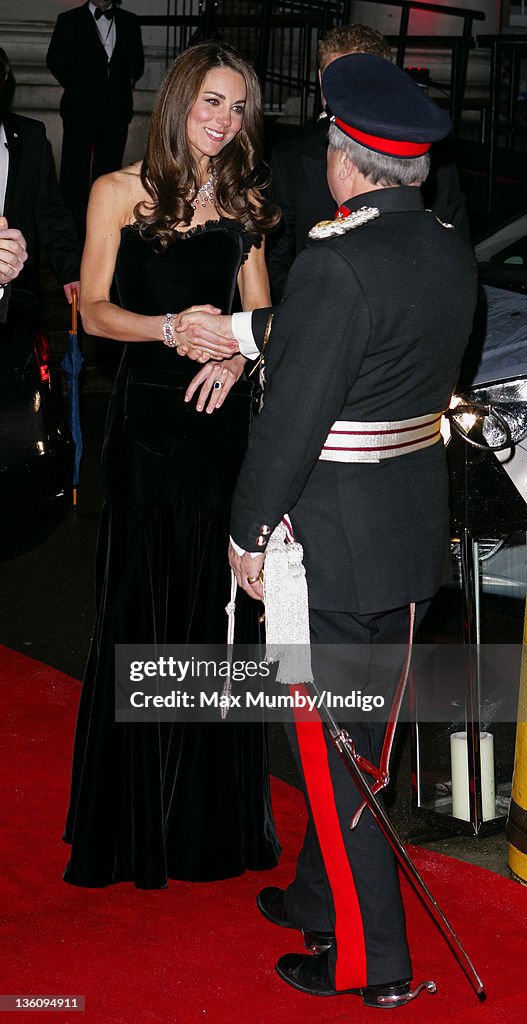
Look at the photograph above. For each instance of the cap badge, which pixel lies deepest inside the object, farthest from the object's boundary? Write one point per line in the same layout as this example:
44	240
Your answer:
330	228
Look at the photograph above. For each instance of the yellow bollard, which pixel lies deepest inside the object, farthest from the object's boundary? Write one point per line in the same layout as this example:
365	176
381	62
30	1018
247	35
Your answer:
517	820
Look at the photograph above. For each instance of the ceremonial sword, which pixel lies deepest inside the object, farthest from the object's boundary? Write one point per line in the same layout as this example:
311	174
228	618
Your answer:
346	748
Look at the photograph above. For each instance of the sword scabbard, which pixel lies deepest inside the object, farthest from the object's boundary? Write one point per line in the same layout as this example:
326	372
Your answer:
346	748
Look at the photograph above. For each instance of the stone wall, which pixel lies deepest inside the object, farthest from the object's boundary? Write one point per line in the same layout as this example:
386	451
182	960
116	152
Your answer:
25	32
386	19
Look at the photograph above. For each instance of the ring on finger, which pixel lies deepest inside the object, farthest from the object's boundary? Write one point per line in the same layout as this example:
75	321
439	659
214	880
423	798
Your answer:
217	385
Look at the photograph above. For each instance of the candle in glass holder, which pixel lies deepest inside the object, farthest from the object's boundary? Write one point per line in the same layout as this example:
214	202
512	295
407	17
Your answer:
460	786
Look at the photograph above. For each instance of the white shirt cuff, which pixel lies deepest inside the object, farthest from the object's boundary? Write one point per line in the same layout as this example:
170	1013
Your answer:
237	548
241	327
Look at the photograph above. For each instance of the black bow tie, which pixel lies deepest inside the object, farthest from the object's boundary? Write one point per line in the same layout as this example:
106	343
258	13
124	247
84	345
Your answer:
103	14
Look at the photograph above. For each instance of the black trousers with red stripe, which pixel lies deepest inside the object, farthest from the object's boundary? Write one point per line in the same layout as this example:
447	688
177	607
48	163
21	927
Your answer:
346	880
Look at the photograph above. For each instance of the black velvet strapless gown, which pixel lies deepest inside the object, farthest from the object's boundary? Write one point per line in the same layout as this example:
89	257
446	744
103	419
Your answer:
187	801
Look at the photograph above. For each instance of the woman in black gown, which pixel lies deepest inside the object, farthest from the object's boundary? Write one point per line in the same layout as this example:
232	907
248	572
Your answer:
156	801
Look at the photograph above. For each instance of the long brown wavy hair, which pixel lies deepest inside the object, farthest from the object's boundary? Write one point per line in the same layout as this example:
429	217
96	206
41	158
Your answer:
169	172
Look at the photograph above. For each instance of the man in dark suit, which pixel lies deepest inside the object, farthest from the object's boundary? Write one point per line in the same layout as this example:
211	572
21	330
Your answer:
96	54
30	199
363	355
298	167
13	247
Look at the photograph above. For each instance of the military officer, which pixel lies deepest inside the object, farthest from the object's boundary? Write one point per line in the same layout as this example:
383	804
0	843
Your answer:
362	358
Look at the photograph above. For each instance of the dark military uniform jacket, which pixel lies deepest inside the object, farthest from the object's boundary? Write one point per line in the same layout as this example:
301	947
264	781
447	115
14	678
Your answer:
372	327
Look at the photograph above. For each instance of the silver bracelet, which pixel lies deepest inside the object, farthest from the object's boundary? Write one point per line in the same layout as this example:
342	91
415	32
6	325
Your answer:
168	331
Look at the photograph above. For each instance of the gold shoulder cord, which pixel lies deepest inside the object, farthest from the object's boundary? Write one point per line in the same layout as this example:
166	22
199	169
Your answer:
261	374
260	365
267	334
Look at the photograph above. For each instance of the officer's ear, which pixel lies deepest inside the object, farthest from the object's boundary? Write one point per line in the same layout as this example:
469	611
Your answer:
346	166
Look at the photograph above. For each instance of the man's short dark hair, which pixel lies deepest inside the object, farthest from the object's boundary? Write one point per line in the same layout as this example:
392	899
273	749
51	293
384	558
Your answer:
352	39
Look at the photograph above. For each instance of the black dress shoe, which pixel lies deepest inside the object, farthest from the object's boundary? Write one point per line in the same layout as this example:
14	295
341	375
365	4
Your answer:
270	903
307	973
311	974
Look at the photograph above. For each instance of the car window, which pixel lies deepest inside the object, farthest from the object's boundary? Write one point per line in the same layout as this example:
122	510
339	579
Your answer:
514	254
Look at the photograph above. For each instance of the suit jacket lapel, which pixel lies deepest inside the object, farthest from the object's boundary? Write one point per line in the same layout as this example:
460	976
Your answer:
92	27
120	41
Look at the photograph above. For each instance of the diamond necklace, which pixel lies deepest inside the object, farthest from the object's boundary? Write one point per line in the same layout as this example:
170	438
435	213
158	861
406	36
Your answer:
204	194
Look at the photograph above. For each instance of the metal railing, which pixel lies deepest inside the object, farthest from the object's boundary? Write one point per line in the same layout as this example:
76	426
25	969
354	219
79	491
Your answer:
499	115
280	38
457	46
467	15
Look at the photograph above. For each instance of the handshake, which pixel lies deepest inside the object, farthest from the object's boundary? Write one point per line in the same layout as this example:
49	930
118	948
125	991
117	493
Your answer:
204	334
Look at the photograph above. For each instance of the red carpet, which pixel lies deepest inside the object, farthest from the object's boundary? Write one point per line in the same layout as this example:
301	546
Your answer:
202	953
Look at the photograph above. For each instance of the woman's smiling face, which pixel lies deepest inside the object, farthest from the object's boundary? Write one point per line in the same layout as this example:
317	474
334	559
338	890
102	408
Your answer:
217	114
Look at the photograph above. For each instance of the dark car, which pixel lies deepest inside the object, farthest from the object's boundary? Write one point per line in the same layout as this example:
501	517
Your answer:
489	484
36	451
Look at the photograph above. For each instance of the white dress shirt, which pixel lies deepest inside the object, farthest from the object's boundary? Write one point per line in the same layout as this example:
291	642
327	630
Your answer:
4	171
241	327
106	30
4	167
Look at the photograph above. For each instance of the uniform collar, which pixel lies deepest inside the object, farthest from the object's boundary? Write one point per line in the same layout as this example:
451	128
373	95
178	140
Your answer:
400	199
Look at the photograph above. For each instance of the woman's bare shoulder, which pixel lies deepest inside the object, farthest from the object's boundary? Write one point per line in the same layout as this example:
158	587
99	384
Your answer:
121	190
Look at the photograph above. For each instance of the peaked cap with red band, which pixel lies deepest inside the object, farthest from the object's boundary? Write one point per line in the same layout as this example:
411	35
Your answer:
378	105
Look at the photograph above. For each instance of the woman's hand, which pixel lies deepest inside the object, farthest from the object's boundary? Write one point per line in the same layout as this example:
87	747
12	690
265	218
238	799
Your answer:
186	347
185	338
224	374
201	330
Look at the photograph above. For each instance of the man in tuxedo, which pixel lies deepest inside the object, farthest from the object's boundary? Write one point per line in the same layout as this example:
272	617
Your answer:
96	54
298	167
362	358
